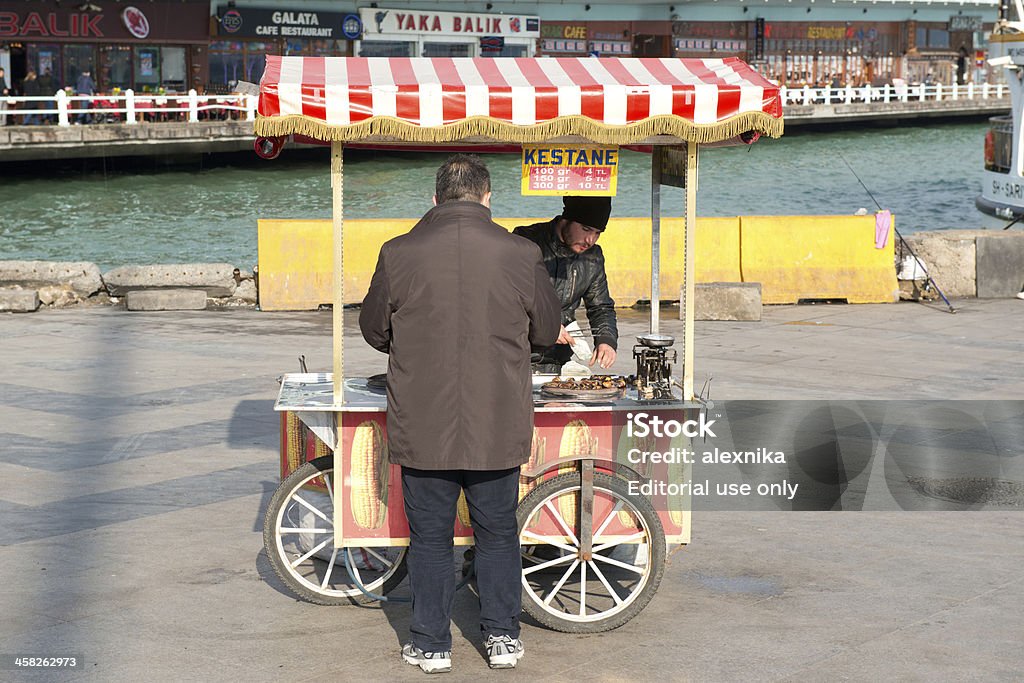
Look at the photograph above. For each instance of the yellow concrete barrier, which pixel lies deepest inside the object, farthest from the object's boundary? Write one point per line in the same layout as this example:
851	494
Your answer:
793	257
295	269
817	257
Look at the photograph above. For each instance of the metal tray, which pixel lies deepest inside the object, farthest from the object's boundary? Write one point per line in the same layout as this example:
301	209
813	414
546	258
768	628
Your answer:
562	392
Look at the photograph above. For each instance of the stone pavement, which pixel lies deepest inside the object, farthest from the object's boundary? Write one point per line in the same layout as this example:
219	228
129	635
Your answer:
139	451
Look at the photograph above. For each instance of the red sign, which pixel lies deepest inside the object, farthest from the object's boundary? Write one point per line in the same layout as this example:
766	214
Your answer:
53	26
135	21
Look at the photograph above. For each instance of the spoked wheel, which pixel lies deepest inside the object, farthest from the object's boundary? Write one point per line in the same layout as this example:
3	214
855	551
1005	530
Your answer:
567	592
298	534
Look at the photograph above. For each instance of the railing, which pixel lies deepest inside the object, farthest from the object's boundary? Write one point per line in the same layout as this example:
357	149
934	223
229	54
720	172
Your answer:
128	108
935	92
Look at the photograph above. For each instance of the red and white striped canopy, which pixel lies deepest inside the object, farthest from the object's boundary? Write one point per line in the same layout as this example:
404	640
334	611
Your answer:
608	100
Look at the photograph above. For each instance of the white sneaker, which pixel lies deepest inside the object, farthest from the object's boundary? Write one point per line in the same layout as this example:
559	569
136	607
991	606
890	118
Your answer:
504	652
429	662
1020	295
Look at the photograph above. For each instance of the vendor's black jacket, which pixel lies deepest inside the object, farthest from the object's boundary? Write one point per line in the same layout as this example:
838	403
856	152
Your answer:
577	277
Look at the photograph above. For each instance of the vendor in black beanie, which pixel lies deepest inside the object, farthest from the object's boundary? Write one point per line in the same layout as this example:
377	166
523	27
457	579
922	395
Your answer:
575	263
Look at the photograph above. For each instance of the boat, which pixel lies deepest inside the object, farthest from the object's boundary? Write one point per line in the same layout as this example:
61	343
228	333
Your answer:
1002	188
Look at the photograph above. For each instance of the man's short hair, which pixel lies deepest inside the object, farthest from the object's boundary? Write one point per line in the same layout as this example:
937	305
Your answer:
464	177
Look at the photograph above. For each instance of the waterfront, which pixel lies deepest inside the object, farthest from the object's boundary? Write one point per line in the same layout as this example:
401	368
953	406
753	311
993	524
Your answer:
927	175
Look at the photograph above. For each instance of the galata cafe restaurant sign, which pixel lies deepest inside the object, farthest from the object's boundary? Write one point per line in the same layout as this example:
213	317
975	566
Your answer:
266	23
381	21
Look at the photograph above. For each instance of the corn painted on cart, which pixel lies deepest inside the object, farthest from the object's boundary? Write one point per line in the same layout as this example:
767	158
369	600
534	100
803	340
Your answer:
594	548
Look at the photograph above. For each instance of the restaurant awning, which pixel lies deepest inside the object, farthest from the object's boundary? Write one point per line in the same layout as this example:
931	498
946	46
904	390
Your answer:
443	99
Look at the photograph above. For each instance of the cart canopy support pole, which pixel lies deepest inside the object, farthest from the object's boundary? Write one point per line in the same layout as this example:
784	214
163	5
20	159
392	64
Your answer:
655	239
338	196
690	228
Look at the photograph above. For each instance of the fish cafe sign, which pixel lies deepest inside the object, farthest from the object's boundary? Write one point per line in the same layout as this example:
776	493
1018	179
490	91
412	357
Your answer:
405	21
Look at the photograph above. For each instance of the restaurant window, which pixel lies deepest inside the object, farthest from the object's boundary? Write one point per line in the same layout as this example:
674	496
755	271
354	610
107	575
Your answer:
235	61
317	48
938	37
115	67
172	68
147	68
386	48
78	58
505	51
446	49
922	37
43	59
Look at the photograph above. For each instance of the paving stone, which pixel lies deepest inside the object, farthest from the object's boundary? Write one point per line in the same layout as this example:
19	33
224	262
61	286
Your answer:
19	300
727	301
82	276
166	300
216	279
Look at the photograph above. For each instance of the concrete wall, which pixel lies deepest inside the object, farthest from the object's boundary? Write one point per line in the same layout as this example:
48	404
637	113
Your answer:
792	257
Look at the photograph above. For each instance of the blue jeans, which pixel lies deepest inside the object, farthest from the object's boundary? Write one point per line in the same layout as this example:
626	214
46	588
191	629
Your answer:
431	498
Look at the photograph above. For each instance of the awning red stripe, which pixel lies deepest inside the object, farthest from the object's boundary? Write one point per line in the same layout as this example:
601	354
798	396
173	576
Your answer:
270	104
683	100
314	79
545	92
728	95
592	100
407	103
500	94
638	105
453	107
360	99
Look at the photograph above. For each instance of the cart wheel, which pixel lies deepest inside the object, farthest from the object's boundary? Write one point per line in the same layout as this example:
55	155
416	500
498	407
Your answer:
565	593
298	534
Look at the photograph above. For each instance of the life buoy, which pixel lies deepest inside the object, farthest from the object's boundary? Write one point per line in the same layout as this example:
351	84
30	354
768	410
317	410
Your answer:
990	150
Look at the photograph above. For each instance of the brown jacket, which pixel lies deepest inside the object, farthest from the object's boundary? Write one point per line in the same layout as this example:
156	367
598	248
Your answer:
456	303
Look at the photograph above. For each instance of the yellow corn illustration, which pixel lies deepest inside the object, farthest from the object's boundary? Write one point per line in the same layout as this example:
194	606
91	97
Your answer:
577	439
627	443
677	474
293	451
537	446
370	470
463	510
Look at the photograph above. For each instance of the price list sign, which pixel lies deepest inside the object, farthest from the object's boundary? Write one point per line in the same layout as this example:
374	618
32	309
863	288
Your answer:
583	170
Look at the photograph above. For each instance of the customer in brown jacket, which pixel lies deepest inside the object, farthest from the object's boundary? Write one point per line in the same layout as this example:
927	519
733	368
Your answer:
456	303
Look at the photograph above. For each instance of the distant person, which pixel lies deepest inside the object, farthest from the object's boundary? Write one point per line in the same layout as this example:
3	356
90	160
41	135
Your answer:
84	86
30	88
47	88
5	91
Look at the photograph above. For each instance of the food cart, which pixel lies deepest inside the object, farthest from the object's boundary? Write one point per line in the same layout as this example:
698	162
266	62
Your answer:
594	546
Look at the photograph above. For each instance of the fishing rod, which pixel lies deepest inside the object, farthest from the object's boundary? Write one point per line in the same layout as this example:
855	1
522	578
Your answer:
902	241
1013	222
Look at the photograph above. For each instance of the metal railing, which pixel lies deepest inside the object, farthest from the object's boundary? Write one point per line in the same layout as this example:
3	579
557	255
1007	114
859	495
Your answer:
127	108
935	92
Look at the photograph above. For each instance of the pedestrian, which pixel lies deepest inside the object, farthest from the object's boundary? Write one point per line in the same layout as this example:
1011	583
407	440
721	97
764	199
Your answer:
5	91
30	88
575	264
47	88
456	303
84	85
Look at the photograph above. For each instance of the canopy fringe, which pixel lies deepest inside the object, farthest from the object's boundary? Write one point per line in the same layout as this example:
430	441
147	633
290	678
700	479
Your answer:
486	127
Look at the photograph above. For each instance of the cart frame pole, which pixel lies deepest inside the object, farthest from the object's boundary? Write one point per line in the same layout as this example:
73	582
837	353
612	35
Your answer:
338	332
656	155
338	307
689	228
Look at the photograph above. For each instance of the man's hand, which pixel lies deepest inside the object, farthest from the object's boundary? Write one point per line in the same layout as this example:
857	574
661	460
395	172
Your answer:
564	337
604	355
